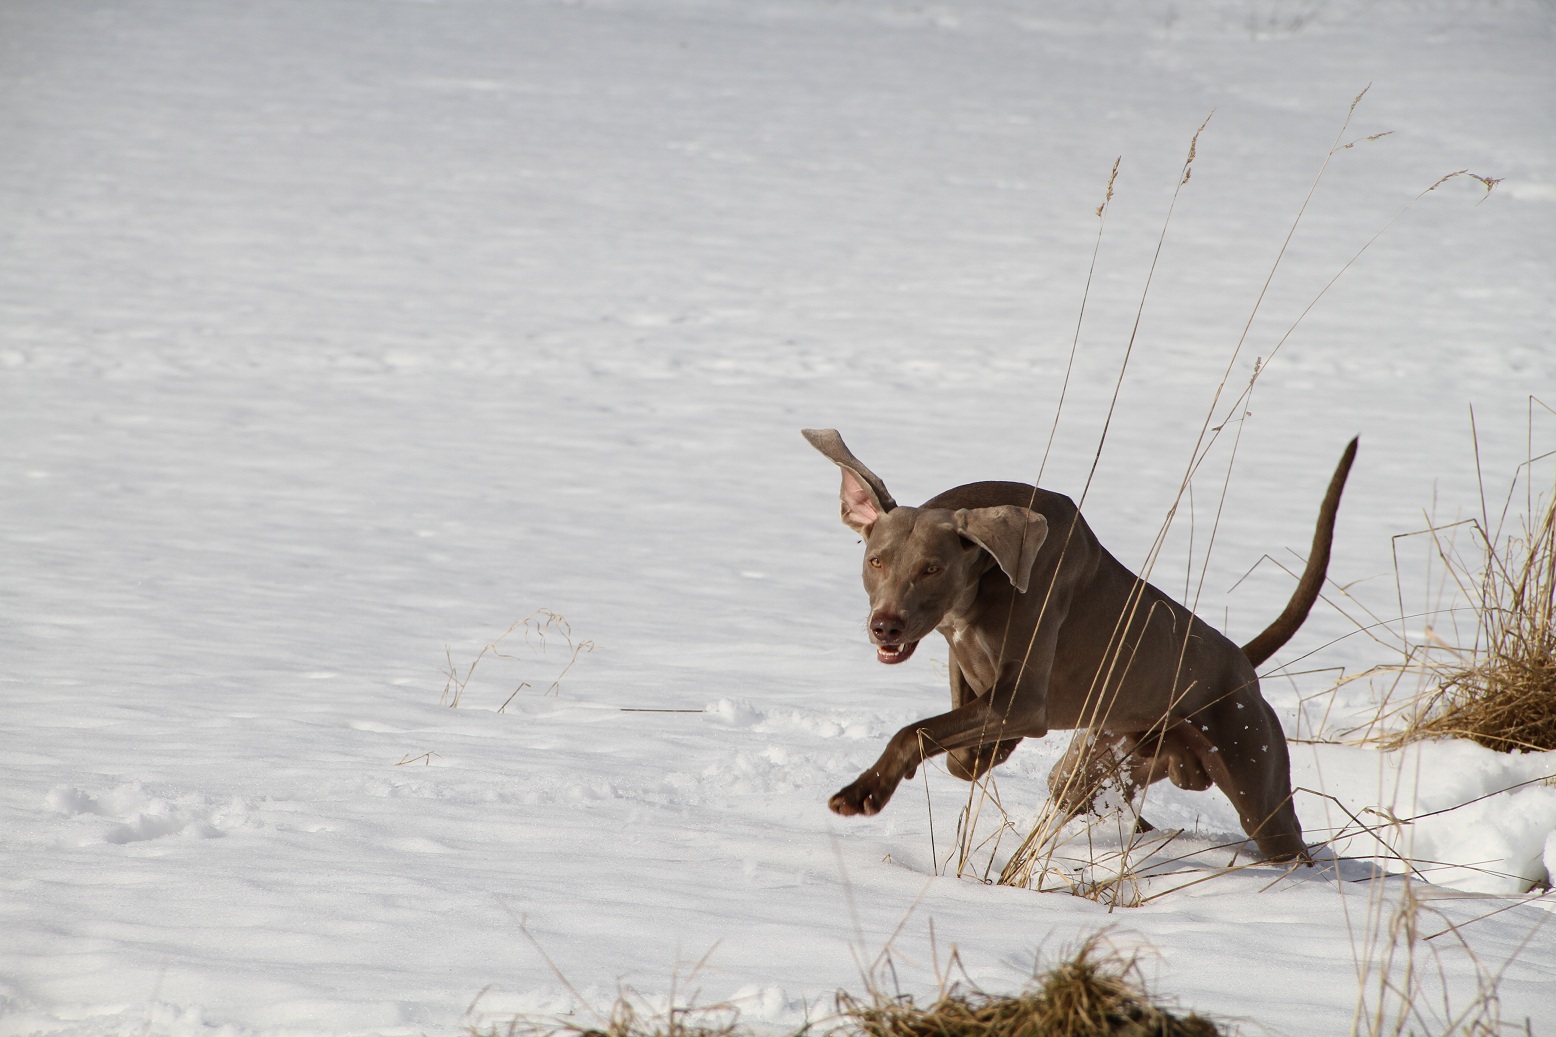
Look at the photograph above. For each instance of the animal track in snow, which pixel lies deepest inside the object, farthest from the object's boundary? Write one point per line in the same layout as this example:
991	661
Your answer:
138	815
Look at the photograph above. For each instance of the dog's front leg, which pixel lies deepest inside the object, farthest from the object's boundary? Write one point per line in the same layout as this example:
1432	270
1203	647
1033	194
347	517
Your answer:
972	764
984	721
870	791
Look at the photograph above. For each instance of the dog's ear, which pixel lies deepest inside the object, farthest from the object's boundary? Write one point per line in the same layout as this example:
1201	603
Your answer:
864	497
1011	534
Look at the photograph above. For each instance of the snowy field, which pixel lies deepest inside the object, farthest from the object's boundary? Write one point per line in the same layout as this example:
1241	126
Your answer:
337	336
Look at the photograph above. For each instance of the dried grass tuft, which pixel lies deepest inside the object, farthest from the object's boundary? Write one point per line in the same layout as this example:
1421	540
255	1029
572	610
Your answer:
1097	992
1501	690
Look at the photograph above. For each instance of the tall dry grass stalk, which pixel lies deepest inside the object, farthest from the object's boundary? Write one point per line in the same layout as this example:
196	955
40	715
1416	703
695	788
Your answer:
629	1016
979	793
1033	863
1403	978
632	1014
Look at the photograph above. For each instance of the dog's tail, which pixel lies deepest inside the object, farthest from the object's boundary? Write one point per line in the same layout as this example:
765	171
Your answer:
1312	581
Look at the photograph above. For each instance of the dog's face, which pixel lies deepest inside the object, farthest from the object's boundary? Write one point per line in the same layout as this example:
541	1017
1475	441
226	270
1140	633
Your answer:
918	567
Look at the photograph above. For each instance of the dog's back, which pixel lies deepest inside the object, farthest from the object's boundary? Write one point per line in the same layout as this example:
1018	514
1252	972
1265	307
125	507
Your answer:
1131	655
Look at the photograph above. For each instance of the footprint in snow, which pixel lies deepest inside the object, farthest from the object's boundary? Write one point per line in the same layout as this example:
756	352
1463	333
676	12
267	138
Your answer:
733	713
138	815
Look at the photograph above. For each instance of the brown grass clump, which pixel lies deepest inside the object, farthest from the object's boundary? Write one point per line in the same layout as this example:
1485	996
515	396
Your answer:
1095	993
1501	692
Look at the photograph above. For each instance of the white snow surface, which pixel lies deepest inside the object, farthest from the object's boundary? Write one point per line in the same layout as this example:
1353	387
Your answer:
338	335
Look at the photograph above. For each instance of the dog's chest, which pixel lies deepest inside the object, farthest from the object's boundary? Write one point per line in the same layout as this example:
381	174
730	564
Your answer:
975	654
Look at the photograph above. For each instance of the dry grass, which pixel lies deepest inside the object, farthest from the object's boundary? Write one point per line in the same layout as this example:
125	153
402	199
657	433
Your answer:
626	1019
1115	879
631	1015
1484	667
1402	975
1118	882
1110	872
538	628
1501	690
1095	992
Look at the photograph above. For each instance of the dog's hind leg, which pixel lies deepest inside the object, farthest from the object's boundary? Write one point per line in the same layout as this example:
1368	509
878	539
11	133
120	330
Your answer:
1099	764
1097	774
1237	743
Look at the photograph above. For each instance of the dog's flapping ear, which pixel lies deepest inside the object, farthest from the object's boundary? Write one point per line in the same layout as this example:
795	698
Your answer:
1011	534
864	497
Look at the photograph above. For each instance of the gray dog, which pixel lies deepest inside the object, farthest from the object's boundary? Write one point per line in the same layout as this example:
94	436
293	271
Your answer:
1049	631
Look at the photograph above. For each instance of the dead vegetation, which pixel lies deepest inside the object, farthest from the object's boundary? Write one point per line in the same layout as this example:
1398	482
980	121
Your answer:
628	1019
1096	991
1483	666
1500	691
1401	975
1114	871
538	628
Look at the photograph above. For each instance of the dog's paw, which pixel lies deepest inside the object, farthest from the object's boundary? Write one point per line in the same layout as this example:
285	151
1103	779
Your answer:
866	796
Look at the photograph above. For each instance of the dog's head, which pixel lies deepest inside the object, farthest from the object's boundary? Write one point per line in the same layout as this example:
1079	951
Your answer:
923	564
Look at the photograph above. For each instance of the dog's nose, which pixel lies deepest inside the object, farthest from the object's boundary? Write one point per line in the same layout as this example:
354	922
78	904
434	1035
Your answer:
887	627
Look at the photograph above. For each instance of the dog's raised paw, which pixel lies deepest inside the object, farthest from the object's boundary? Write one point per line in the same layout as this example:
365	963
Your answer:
865	796
840	804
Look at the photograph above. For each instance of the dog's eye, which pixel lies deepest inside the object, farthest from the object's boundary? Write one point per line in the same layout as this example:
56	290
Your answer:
875	562
930	570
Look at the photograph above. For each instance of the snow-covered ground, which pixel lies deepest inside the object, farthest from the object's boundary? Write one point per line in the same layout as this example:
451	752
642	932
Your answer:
338	335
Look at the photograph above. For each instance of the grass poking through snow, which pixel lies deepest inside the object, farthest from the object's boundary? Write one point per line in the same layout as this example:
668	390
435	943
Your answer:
1490	678
1500	692
537	627
1096	991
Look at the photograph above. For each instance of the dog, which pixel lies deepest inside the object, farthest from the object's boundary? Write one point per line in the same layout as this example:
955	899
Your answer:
1047	630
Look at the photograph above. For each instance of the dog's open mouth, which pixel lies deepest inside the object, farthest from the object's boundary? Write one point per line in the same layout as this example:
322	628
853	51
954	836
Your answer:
895	653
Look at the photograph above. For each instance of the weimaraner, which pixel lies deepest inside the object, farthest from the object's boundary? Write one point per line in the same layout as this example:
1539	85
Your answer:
1049	631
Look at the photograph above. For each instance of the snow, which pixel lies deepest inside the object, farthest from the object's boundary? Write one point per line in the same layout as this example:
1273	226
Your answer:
338	336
